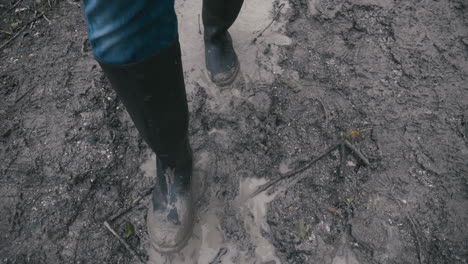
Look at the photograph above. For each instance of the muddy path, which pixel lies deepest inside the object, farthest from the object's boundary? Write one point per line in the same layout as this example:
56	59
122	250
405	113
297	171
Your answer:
389	77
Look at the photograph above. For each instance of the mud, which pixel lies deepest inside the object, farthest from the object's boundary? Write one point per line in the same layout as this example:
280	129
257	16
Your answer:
389	76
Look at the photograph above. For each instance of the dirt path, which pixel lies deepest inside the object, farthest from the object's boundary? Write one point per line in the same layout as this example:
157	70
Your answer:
389	76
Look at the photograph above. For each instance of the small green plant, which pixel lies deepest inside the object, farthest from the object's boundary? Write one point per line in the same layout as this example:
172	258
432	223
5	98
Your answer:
129	230
349	200
302	230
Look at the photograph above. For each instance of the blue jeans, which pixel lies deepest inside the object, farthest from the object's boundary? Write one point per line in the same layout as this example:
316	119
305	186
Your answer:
126	31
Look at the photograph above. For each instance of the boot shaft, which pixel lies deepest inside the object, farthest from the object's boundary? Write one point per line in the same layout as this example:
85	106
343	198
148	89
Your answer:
219	15
153	93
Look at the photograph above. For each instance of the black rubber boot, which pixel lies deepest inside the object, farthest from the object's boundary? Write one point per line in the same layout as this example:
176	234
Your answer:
153	93
221	59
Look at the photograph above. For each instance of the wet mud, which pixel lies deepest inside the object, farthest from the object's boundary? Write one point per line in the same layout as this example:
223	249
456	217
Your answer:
388	76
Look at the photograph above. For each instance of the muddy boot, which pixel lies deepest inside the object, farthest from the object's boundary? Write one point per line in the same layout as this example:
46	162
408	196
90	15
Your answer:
153	93
220	58
170	214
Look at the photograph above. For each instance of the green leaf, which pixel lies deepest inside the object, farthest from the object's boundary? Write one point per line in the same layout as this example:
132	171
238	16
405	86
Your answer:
302	229
349	200
129	229
16	24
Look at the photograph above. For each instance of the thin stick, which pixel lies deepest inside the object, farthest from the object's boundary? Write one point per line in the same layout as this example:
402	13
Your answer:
273	20
219	256
199	27
357	152
12	38
293	173
25	93
16	4
21	30
122	241
47	19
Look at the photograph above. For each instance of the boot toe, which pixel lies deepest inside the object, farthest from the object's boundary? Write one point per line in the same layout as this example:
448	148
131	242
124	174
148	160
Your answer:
169	229
221	59
224	78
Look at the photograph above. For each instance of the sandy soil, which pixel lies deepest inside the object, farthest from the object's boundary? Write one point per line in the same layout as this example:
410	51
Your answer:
388	76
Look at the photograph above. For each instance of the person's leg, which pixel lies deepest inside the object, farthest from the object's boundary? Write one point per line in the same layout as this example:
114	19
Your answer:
220	57
127	31
136	44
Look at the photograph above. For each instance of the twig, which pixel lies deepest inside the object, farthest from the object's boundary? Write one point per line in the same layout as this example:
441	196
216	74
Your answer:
21	30
199	27
273	20
25	93
12	38
16	4
122	241
293	173
217	258
342	145
47	19
130	207
357	152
